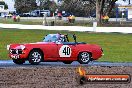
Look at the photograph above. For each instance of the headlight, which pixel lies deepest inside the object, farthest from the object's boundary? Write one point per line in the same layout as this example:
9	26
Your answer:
8	47
22	47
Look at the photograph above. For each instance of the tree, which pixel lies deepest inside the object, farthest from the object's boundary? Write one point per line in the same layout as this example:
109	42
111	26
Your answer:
23	6
3	3
53	6
104	7
78	7
47	5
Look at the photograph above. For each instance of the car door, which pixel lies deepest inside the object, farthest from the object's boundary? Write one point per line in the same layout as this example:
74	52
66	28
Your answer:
67	51
50	52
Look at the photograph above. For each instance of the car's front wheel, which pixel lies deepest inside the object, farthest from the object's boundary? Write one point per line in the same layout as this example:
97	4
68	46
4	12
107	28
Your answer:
35	57
18	61
84	58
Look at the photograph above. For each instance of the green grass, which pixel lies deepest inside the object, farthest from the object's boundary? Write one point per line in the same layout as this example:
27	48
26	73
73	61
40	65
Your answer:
87	23
22	21
117	47
40	21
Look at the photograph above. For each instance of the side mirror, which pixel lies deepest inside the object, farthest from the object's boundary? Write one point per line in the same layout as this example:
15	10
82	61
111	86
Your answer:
44	37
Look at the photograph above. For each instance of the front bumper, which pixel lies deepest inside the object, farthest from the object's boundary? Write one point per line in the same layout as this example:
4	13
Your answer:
18	54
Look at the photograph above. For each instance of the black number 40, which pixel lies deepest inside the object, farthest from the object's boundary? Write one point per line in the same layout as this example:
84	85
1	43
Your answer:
67	51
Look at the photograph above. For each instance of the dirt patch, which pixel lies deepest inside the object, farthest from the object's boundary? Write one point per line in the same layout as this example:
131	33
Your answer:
56	77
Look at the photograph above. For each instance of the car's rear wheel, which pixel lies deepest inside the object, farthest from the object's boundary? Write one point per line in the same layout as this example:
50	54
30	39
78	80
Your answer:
35	57
18	61
84	58
67	62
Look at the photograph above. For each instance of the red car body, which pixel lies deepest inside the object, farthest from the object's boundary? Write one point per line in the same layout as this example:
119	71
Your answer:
52	51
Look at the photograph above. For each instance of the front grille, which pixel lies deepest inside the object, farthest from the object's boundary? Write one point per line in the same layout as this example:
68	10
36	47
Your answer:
16	51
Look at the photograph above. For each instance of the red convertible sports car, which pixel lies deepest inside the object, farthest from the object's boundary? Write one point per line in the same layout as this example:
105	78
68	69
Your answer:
54	47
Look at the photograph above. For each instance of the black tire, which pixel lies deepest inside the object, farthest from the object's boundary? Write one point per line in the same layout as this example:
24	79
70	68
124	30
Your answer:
84	58
67	62
18	61
35	57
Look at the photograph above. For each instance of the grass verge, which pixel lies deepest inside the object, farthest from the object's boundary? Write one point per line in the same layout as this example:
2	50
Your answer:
29	21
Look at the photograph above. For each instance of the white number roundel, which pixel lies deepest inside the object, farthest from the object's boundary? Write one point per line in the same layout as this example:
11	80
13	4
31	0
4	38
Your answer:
65	51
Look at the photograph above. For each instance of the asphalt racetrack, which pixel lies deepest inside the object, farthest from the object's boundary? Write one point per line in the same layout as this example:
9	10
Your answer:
9	63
